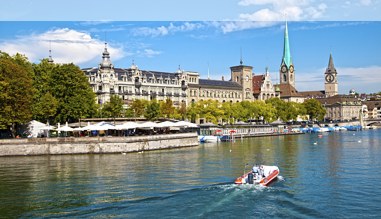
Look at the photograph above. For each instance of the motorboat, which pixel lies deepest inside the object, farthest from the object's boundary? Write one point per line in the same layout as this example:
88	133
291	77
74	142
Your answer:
260	174
208	138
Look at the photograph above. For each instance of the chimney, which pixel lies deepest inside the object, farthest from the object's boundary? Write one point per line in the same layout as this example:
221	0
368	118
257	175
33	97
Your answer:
223	78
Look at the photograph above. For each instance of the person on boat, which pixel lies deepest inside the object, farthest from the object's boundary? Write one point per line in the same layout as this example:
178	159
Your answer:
256	172
261	171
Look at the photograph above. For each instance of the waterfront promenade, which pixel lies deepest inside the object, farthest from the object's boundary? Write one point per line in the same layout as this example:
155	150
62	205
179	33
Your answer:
95	145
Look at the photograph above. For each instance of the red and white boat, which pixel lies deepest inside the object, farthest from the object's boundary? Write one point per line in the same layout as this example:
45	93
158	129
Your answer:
262	175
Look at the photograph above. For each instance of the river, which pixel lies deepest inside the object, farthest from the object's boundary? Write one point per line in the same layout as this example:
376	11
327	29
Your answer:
336	175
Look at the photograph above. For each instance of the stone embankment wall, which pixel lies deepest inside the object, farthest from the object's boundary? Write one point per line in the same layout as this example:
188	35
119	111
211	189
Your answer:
94	145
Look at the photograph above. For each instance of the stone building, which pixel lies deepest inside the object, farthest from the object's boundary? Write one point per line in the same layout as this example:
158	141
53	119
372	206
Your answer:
373	108
181	86
341	107
263	88
133	83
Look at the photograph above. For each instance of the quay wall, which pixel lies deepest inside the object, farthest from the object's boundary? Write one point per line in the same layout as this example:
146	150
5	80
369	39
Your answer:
95	145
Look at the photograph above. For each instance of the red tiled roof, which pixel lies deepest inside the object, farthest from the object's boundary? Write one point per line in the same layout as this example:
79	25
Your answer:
257	83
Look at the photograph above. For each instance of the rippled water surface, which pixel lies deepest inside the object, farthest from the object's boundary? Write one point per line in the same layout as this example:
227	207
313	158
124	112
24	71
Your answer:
337	175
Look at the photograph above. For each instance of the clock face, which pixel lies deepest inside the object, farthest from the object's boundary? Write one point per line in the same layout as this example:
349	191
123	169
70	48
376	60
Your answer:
284	69
291	68
329	78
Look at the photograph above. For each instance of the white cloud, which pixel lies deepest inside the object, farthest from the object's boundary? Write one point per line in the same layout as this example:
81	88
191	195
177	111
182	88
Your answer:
366	2
150	53
67	46
270	12
165	30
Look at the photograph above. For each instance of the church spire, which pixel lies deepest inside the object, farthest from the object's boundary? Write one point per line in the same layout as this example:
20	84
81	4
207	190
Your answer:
331	66
286	59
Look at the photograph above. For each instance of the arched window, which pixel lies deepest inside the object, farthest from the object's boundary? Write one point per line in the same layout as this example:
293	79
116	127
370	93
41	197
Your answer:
284	77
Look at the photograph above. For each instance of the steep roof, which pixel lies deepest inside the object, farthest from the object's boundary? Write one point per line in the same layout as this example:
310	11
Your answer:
207	83
340	99
286	59
287	90
257	83
313	94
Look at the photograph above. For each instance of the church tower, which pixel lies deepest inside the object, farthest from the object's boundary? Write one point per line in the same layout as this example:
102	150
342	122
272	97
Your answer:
286	68
331	84
243	75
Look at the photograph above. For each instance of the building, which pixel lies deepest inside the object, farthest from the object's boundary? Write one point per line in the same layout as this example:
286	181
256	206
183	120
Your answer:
331	84
373	108
263	88
133	83
286	84
181	86
341	107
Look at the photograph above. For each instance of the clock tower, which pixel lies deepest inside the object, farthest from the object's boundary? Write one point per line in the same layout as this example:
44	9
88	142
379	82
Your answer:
331	85
286	71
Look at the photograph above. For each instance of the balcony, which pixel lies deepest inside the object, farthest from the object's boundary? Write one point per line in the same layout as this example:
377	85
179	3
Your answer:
176	95
145	93
161	94
138	84
169	94
184	95
184	87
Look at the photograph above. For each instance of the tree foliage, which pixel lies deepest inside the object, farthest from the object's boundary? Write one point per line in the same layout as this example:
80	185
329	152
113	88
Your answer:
166	108
138	107
314	109
113	108
152	111
16	91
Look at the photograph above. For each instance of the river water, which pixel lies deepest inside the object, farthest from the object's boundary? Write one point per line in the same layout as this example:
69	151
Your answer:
337	175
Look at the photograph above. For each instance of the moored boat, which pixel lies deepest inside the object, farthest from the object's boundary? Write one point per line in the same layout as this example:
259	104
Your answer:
262	175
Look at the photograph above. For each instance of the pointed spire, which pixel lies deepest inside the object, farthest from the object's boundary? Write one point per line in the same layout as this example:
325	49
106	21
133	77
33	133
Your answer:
330	63
286	59
241	61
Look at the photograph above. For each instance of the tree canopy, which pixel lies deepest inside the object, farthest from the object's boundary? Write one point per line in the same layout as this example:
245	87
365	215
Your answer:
16	91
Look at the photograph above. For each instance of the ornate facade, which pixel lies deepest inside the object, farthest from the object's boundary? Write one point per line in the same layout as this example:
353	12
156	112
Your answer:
263	88
181	86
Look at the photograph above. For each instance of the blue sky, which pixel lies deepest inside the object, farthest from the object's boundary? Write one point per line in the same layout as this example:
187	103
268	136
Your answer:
163	36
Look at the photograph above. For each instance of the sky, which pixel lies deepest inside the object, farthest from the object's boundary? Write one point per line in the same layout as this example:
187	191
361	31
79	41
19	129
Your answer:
204	36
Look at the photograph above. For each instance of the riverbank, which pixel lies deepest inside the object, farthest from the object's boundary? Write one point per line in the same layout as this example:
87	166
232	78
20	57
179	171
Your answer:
94	145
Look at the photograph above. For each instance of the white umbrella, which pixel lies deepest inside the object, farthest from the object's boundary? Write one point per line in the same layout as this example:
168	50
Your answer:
127	125
148	124
104	127
166	124
48	127
65	129
186	124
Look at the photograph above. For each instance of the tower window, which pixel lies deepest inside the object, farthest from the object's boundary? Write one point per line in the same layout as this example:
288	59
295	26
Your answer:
284	78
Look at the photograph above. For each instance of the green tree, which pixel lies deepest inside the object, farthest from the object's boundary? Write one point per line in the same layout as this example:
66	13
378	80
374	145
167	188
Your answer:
44	103
314	109
152	111
182	111
16	91
166	108
75	97
113	108
138	107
